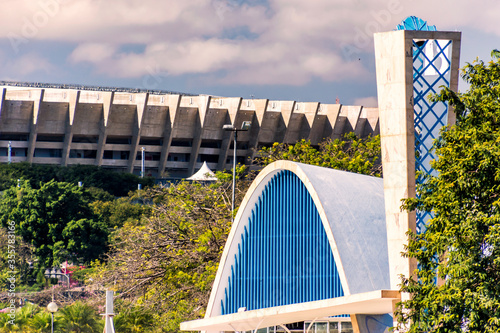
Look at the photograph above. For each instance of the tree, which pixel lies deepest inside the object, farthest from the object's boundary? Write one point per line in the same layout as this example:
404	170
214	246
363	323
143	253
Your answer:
79	318
20	256
56	220
116	183
133	319
168	261
461	246
350	154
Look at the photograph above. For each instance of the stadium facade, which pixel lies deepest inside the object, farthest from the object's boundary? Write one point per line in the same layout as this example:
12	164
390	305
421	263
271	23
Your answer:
108	127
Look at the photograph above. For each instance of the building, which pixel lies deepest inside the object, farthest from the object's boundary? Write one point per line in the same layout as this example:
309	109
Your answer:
108	127
320	250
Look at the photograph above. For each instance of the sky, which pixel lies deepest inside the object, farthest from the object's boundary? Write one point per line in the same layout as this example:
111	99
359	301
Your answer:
302	50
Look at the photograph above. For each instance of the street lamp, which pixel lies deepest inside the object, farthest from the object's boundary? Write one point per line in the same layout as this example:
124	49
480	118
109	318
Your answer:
52	307
245	126
143	150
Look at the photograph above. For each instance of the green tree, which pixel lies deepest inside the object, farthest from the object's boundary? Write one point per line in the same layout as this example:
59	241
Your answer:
41	322
56	219
116	183
115	213
79	318
134	319
168	261
350	154
16	258
461	246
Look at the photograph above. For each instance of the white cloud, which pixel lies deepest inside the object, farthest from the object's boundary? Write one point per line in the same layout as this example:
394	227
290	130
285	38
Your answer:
25	65
369	102
92	52
289	42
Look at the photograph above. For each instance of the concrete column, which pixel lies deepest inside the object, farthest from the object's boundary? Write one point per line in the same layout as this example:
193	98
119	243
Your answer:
233	110
372	124
142	102
37	96
74	97
287	108
394	60
332	112
173	102
307	126
260	106
3	92
352	114
394	64
203	103
339	128
107	103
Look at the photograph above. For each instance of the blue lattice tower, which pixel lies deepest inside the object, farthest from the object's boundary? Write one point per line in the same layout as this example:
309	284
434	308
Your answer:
431	71
412	64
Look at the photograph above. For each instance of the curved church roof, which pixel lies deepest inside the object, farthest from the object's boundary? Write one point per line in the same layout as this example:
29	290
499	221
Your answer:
349	210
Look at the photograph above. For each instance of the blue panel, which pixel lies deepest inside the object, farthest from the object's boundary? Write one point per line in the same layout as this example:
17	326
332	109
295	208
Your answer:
284	256
431	71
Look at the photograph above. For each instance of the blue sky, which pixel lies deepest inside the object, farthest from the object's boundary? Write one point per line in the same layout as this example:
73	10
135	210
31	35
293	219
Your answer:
314	50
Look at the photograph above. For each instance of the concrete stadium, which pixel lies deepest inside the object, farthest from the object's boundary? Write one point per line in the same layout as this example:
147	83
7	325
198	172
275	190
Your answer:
108	127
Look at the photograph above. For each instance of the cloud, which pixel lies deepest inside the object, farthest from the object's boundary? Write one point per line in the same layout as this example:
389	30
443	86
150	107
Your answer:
230	41
92	53
369	102
21	67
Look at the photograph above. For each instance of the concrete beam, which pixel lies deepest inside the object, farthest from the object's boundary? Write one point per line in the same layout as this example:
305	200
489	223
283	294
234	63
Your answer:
107	102
233	111
141	102
260	107
286	109
172	102
74	96
3	92
310	112
202	103
37	98
394	67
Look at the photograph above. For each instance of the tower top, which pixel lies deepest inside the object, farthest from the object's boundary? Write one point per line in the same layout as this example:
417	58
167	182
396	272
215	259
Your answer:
415	23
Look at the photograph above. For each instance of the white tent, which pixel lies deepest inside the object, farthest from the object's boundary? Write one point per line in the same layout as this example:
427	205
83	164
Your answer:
204	174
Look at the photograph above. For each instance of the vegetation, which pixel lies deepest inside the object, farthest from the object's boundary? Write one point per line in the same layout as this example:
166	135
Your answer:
461	247
118	184
158	248
56	220
350	154
76	318
168	262
23	256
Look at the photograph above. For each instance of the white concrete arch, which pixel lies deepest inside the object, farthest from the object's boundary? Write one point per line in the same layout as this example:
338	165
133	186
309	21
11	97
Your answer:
351	207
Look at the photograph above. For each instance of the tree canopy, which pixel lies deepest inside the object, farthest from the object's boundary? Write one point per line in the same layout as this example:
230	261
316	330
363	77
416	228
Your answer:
360	155
168	261
56	220
116	183
457	285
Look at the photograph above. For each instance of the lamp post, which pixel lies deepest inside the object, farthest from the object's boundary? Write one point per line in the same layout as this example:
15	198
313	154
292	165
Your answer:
245	126
52	307
10	152
143	150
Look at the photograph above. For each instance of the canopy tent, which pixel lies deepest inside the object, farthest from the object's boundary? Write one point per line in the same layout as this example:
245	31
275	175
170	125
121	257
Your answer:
204	174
